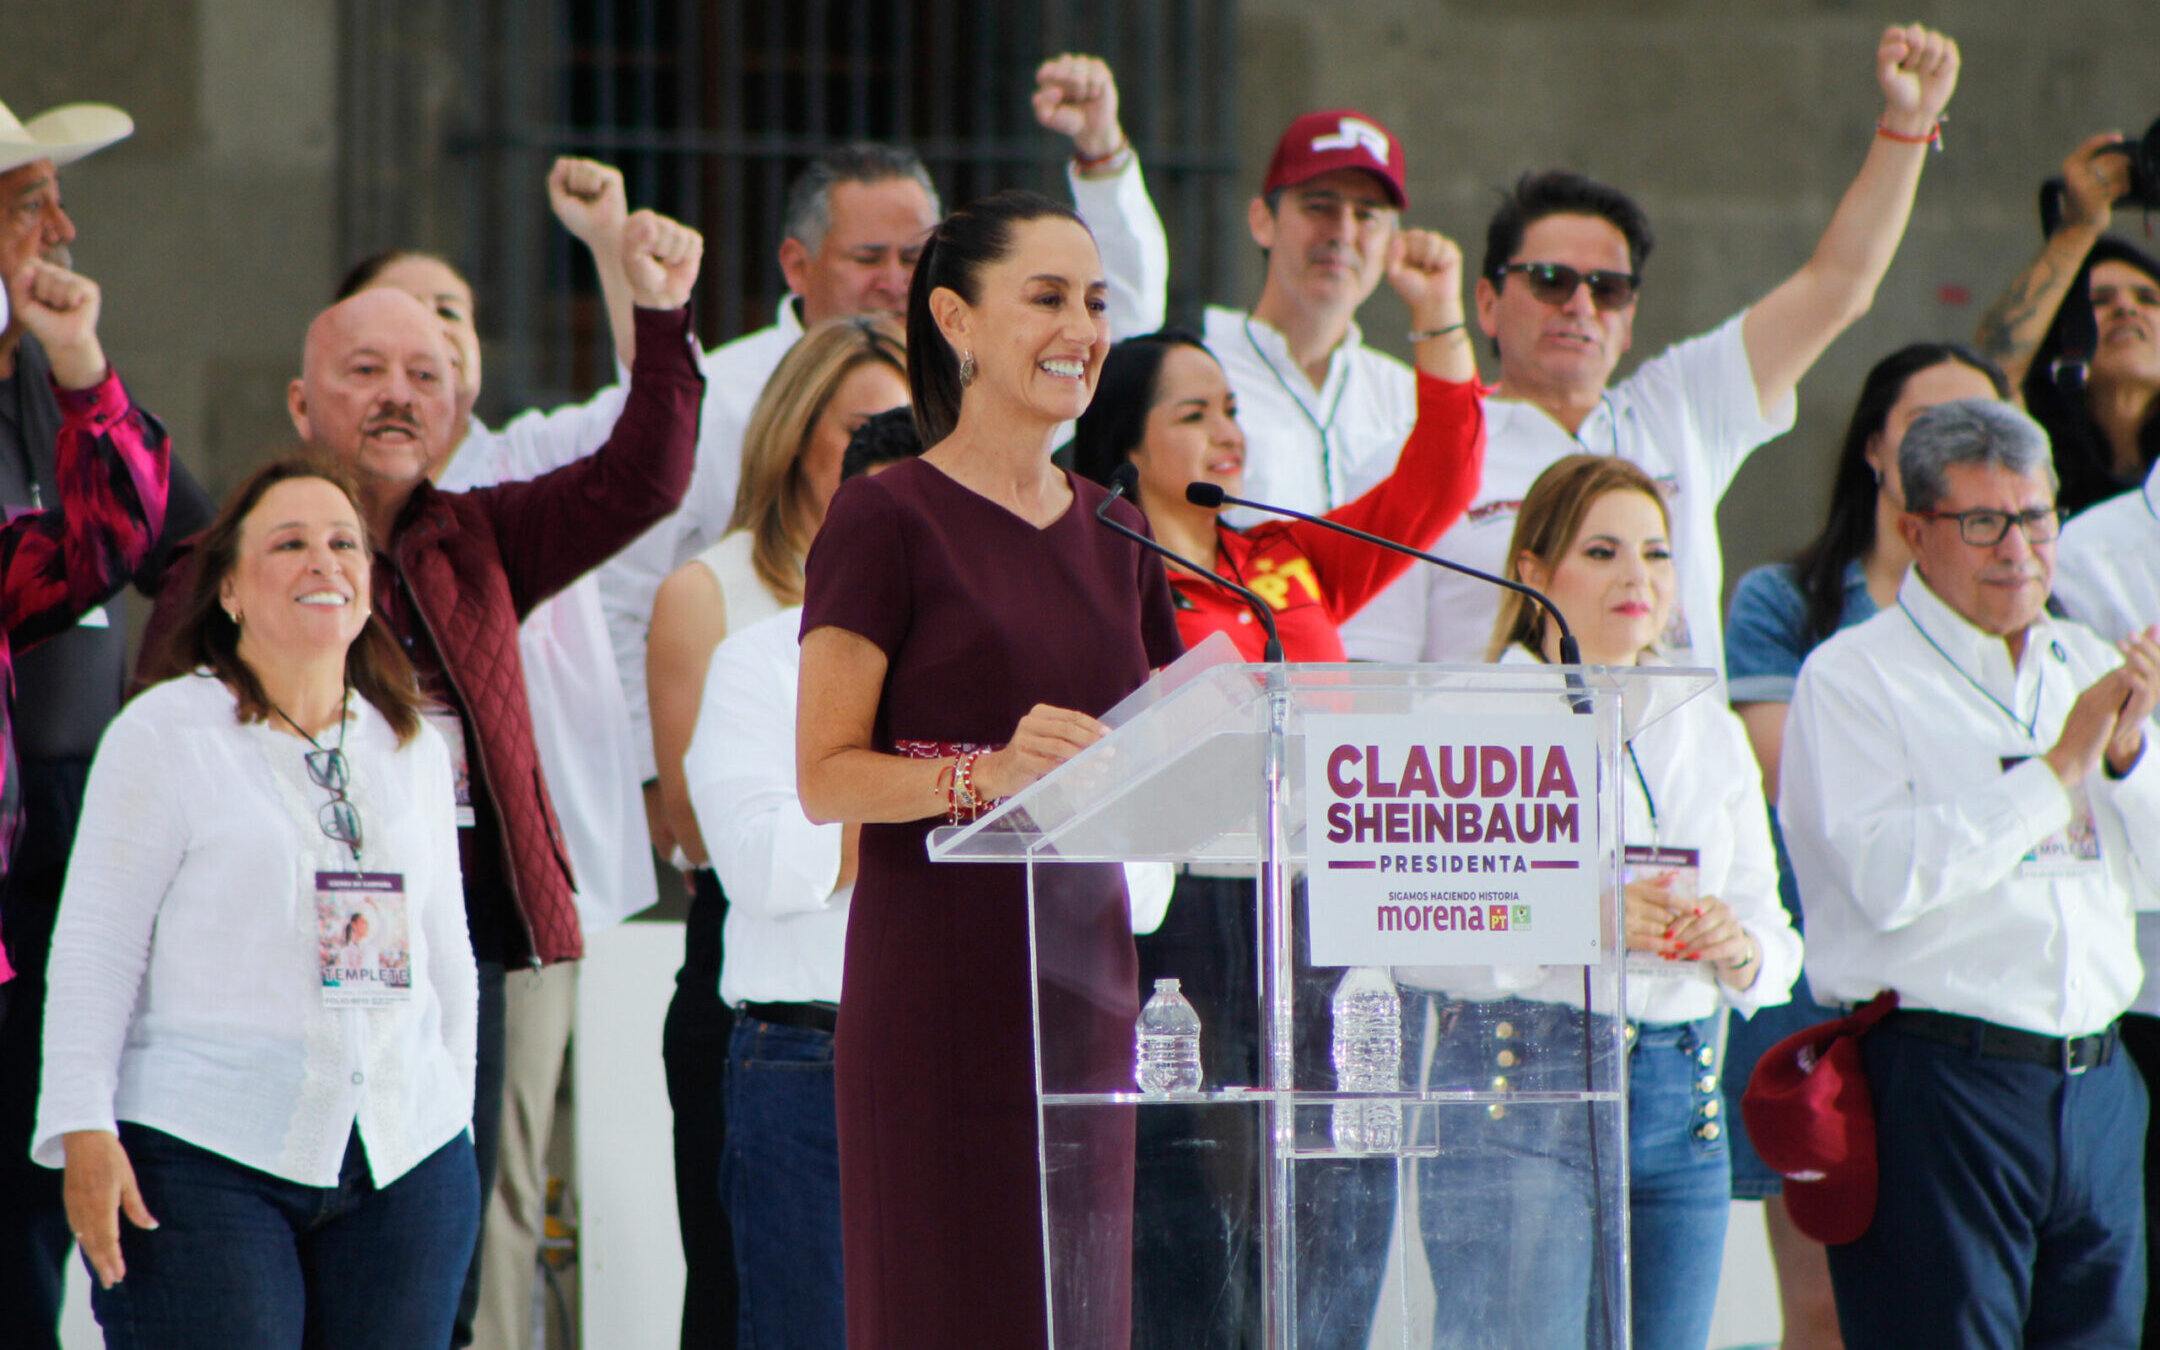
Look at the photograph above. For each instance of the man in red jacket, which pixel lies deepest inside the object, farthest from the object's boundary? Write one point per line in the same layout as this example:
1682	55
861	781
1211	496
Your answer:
456	572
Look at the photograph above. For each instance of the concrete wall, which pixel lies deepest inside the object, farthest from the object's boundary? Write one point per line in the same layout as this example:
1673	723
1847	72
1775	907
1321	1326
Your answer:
1737	123
212	229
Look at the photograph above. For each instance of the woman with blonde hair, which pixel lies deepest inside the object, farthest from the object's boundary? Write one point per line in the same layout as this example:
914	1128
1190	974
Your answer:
840	373
1704	931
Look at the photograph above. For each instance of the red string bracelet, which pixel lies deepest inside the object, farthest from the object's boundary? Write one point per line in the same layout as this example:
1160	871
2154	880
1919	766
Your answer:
1933	137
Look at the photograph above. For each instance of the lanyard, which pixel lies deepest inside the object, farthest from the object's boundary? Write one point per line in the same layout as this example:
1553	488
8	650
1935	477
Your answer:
2025	726
1648	799
1327	473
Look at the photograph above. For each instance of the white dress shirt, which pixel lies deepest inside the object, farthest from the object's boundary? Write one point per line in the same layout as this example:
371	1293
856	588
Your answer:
1136	264
2107	577
1689	416
1909	838
1311	449
185	986
581	724
786	925
1707	791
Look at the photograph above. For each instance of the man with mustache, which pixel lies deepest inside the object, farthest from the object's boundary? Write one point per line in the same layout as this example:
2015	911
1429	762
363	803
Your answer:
1974	818
66	690
2078	333
457	572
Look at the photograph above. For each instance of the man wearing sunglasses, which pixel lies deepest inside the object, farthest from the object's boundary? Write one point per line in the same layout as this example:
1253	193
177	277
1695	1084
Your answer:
1974	817
1556	294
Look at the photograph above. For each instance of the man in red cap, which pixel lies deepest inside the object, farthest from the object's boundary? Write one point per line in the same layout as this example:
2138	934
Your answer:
1324	414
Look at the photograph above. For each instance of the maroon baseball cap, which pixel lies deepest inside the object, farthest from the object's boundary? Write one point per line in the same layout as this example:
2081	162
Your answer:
1812	1120
1342	139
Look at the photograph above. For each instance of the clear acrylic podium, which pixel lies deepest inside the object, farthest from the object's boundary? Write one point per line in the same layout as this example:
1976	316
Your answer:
1492	1210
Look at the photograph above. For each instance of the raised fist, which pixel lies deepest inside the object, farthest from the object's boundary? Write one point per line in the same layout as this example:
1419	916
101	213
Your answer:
660	258
589	200
1426	270
1917	68
60	309
1076	96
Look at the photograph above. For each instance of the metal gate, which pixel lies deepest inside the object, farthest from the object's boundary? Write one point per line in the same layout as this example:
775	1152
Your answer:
455	108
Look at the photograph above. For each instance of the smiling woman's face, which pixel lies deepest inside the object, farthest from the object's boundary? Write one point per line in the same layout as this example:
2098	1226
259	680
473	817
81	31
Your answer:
299	584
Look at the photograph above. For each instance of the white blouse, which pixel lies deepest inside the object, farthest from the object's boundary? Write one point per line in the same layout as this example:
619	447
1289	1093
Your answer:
1699	771
185	991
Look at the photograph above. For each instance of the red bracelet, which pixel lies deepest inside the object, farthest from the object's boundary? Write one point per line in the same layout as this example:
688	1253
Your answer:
1933	137
1087	165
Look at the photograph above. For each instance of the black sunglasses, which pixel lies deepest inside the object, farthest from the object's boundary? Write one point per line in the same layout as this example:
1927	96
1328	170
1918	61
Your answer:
338	817
1555	283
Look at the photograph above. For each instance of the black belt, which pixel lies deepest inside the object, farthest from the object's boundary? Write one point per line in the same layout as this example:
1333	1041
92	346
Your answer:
823	1017
2072	1054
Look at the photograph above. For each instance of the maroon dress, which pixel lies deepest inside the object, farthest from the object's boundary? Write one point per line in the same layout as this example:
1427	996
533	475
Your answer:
981	616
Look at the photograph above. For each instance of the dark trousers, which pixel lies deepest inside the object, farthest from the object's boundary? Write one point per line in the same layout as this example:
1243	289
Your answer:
1196	1242
2141	1037
34	1240
242	1260
694	1049
2010	1209
486	1128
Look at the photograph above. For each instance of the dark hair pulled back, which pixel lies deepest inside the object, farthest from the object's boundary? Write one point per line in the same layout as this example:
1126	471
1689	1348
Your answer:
972	238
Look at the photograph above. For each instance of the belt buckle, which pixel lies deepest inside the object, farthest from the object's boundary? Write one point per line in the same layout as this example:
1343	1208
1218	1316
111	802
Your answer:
2071	1067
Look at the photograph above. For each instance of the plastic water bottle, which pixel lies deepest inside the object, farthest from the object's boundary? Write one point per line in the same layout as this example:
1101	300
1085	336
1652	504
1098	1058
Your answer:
1368	1058
1169	1043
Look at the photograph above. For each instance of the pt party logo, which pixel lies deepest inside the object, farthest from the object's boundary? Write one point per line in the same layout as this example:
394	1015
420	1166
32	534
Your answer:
1451	840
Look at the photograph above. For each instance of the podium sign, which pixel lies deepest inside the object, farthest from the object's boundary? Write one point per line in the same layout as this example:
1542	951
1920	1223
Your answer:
1444	1166
1446	840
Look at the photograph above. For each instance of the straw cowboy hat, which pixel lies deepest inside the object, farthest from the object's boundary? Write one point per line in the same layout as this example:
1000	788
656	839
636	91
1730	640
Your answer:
62	135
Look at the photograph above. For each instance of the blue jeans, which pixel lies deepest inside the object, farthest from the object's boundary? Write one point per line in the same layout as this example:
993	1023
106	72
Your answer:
1508	1212
2008	1214
242	1260
780	1175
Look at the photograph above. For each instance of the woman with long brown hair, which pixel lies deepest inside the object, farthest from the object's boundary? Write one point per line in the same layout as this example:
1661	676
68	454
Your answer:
276	1104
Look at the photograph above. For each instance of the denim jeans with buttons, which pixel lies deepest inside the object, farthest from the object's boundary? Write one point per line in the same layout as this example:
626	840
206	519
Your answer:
243	1260
1508	1211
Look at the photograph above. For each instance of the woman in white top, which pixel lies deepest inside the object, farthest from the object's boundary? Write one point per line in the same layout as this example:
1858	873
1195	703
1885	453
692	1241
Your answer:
285	1135
1704	930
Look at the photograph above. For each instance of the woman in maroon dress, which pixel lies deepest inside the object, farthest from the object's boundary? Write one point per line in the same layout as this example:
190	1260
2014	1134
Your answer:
965	620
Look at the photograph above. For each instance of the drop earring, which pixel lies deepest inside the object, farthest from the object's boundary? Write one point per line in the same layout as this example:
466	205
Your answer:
967	369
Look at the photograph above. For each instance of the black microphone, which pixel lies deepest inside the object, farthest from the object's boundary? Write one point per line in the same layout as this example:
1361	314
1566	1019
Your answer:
1211	497
1122	481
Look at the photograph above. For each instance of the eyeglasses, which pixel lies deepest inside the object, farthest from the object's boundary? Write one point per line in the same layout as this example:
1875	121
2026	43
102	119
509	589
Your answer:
1986	529
1555	283
339	819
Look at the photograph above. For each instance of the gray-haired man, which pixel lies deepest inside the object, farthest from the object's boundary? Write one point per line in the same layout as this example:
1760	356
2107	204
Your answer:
1973	819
